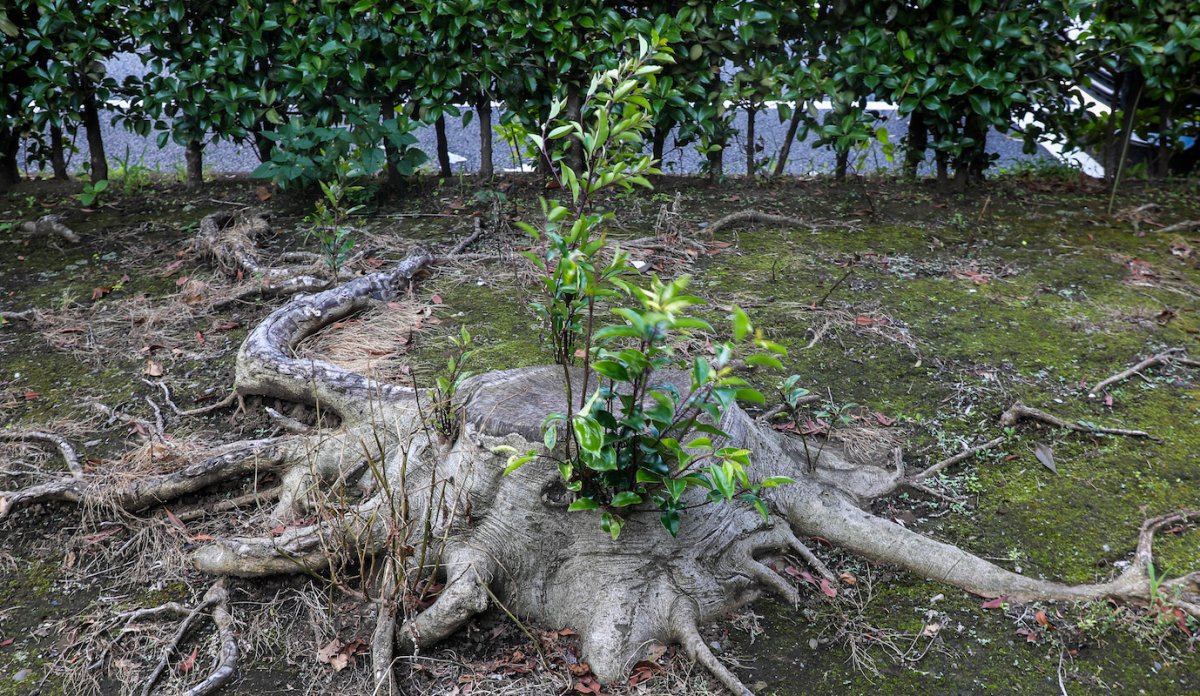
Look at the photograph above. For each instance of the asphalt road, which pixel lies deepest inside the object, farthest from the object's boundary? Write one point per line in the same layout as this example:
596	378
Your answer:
225	157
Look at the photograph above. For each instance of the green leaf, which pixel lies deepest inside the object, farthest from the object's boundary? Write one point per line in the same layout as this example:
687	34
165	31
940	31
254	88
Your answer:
515	462
625	499
762	360
741	324
583	504
773	481
588	434
611	369
753	396
670	521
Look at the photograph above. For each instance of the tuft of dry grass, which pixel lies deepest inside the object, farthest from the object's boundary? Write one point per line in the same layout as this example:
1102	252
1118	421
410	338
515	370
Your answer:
374	343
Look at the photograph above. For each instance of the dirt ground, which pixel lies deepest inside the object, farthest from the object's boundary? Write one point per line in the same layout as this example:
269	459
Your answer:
917	316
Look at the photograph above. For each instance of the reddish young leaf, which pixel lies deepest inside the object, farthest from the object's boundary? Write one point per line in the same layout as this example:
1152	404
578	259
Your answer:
189	662
1041	618
227	326
97	293
174	519
884	420
828	588
436	299
6	642
1108	400
31	395
172	267
995	603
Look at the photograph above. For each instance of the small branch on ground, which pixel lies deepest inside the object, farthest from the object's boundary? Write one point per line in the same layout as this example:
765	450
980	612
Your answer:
255	498
1167	356
1184	226
1019	412
223	403
65	448
951	461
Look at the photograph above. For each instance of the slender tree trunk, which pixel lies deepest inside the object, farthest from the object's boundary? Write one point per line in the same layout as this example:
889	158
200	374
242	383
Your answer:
10	144
658	145
1130	99
751	114
391	155
262	144
786	151
91	123
916	142
443	148
194	158
1112	147
716	166
976	156
58	160
843	163
483	113
572	113
1165	147
943	167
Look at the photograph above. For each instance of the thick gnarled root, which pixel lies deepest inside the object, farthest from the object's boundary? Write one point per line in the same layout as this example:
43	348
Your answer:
227	463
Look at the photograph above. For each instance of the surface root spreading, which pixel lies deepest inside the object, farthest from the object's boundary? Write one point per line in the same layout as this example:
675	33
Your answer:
432	506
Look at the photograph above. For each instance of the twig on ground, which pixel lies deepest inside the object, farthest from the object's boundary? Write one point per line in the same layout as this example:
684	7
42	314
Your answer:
114	415
951	461
65	448
821	302
231	504
1183	226
468	240
227	401
287	423
1018	412
1166	356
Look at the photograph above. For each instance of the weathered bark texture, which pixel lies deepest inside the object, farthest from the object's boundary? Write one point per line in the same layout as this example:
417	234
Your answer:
435	504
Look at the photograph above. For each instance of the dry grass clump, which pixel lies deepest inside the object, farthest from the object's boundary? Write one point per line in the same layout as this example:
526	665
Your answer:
374	343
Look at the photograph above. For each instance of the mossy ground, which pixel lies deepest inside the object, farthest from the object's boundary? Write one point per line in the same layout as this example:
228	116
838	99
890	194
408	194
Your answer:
949	309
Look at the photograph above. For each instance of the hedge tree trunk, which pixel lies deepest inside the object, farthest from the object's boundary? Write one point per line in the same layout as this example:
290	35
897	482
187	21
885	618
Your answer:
443	148
790	137
915	144
751	117
436	503
58	160
483	112
10	145
95	139
194	158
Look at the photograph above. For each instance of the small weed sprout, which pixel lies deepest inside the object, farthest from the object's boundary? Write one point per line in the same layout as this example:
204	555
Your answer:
328	219
446	384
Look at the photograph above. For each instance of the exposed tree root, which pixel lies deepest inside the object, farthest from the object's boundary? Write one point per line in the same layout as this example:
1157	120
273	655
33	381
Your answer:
432	506
1165	357
26	315
188	619
1019	412
757	217
65	448
50	226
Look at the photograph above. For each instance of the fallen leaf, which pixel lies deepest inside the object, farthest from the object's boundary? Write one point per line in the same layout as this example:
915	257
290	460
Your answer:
31	395
1045	455
264	194
189	662
436	299
848	578
1108	400
181	281
202	537
227	326
1041	618
100	536
828	588
331	655
199	338
6	642
174	519
884	420
153	369
931	630
567	632
170	268
97	293
995	603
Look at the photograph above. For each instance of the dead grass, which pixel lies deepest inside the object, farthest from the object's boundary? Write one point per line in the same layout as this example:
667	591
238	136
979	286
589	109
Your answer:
374	343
